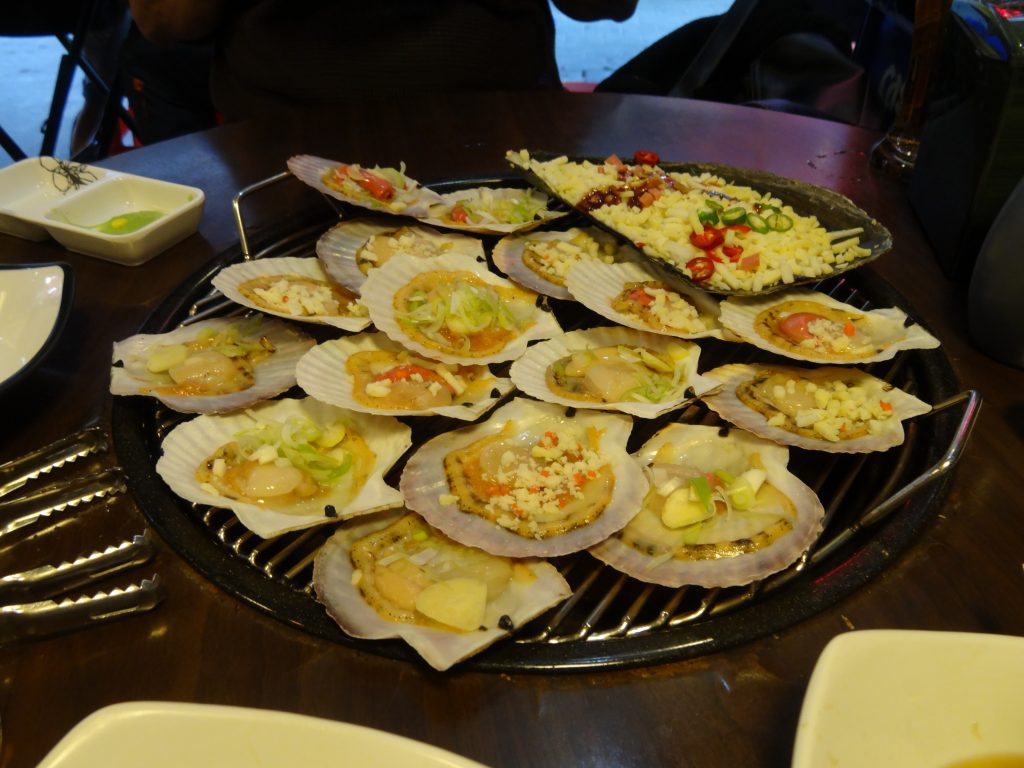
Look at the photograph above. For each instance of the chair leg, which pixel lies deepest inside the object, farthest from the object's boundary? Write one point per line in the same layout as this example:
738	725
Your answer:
65	73
10	146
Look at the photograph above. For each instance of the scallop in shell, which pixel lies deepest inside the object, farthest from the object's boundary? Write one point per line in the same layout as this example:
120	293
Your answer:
807	325
387	190
755	519
349	250
453	309
629	294
612	368
531	481
392	575
490	210
287	464
211	366
293	288
370	373
540	261
833	409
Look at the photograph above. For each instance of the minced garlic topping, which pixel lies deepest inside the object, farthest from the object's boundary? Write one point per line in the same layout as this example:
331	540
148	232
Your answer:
305	298
840	411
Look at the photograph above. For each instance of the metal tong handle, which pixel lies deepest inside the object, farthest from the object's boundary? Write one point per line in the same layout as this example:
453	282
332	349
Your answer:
949	459
15	473
28	510
52	579
48	617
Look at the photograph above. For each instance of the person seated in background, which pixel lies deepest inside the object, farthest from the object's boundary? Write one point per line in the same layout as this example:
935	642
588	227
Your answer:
280	54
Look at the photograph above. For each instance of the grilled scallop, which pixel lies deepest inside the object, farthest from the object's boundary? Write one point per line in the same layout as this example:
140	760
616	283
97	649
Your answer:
349	250
370	373
212	366
721	511
453	310
292	288
833	409
392	575
811	326
531	481
286	465
612	368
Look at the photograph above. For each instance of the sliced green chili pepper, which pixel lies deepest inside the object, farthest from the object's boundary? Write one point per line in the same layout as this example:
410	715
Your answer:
707	218
734	215
757	223
780	222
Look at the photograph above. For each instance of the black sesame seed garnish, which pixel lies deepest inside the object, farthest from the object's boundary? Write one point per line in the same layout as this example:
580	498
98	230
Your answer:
330	511
495	393
505	622
570	412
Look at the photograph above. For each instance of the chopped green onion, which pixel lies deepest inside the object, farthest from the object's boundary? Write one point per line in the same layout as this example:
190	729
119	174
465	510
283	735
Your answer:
702	488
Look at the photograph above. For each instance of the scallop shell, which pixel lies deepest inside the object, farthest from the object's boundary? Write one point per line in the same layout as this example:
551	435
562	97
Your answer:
698	450
339	248
230	279
596	285
381	286
192	442
273	375
323	373
426	487
522	601
885	331
730	407
414	200
529	372
481	198
508	256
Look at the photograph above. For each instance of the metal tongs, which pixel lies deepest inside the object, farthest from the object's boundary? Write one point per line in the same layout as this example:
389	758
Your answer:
30	602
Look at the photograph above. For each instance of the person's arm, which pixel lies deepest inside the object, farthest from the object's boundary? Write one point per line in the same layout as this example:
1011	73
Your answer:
592	10
165	21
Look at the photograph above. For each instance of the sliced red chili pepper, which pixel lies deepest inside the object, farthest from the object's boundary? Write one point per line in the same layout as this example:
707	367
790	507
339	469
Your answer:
644	157
640	296
732	251
707	239
378	187
459	215
750	263
738	227
700	268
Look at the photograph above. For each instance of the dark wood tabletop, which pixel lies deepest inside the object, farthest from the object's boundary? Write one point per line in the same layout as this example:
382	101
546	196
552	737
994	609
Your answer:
734	707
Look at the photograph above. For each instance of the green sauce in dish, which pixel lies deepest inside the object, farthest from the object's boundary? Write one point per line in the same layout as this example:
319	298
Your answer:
126	223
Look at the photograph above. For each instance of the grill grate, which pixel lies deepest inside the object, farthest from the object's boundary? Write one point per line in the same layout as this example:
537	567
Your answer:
875	506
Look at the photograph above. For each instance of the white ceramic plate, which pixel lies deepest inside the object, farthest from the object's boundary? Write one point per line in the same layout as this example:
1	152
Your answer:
35	300
174	735
913	699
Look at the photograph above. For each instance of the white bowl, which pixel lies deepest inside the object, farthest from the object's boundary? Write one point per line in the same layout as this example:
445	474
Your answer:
171	735
42	196
35	300
179	207
913	699
31	187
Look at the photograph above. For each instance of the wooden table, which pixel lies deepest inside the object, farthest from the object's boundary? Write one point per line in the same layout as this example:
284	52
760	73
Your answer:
732	708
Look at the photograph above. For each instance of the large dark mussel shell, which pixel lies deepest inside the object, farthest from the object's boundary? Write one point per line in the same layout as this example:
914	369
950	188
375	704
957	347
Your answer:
833	211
